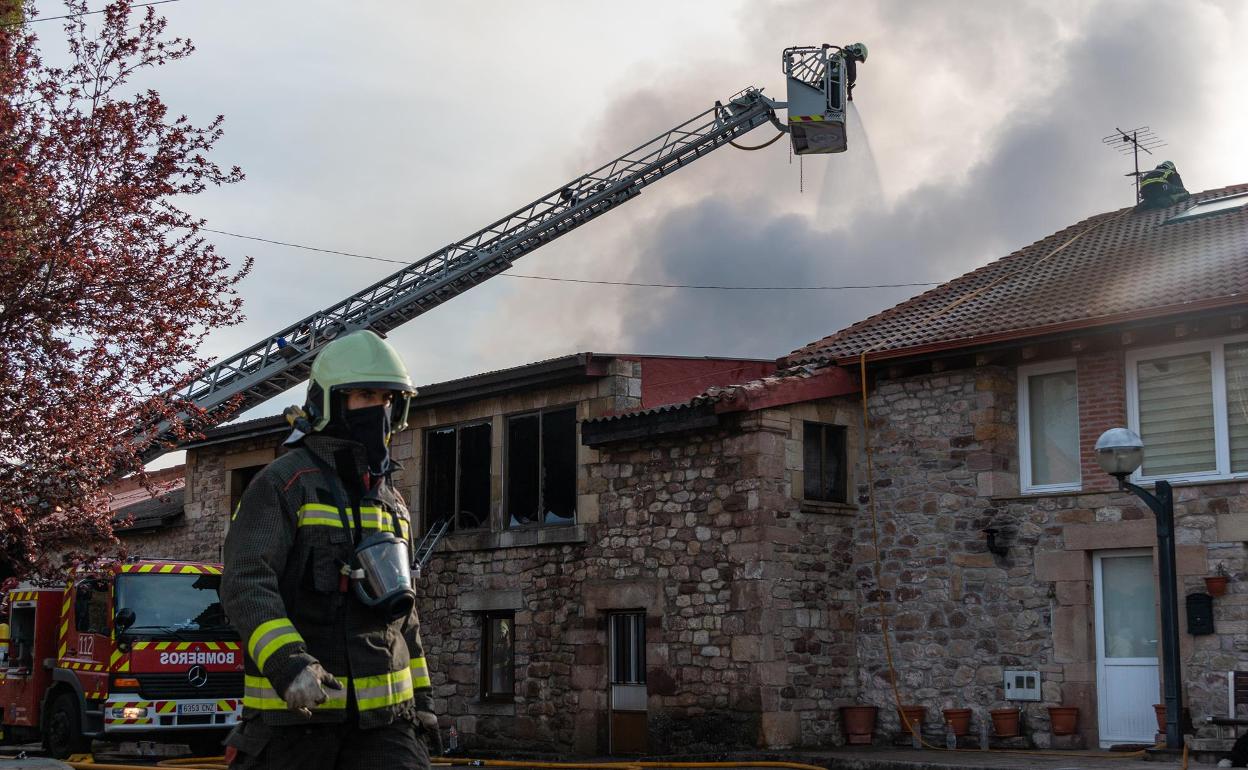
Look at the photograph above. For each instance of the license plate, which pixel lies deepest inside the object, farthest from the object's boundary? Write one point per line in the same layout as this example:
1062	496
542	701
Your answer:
197	708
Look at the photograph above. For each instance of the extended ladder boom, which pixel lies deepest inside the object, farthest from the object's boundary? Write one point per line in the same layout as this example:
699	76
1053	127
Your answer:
284	360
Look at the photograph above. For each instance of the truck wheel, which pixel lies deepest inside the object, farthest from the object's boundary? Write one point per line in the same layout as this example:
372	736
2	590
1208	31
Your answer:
62	733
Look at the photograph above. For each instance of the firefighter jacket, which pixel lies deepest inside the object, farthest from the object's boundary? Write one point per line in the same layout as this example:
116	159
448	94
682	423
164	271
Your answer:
1162	185
284	589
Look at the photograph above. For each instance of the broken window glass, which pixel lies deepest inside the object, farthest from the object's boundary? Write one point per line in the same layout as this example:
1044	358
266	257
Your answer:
824	463
524	464
559	466
439	475
474	477
541	468
457	476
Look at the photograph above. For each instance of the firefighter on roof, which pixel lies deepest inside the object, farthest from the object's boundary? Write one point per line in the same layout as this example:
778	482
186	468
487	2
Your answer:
317	581
1161	187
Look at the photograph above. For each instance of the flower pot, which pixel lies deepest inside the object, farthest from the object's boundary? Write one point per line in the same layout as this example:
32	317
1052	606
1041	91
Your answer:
1215	585
959	720
913	715
1063	719
858	722
1159	709
1004	722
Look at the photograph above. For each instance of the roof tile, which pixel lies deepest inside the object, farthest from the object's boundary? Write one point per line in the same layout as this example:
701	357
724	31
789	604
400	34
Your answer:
1118	264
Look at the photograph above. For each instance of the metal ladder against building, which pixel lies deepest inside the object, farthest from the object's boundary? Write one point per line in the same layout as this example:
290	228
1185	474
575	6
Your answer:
284	360
428	544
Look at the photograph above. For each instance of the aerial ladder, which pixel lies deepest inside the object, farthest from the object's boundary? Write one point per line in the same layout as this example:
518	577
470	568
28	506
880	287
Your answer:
818	89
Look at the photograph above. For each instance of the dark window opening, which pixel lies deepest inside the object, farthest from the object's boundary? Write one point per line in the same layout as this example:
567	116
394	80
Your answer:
823	451
541	468
498	653
457	476
628	648
239	479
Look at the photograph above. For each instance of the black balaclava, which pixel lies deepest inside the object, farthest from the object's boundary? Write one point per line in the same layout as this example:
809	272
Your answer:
369	427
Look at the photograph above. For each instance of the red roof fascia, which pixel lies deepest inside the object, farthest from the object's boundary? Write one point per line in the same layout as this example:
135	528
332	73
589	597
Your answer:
1043	331
826	383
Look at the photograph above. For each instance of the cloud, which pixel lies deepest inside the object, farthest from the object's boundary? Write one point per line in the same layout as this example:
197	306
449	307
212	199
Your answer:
1040	169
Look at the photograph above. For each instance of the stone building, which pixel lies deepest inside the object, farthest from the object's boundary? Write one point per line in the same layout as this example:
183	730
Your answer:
985	398
672	555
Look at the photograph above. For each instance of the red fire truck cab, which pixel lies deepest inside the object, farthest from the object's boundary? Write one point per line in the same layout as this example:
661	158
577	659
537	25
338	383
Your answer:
138	650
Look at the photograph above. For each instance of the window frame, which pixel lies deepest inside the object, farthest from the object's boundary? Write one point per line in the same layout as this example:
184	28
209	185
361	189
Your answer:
844	433
426	432
504	504
1216	347
1024	374
486	657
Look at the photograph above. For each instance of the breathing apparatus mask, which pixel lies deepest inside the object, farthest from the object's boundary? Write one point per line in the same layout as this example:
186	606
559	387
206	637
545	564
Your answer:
385	575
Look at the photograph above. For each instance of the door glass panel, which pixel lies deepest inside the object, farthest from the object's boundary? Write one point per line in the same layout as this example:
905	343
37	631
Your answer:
1130	622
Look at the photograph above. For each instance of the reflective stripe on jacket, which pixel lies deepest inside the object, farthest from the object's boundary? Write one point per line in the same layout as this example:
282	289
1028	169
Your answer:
282	588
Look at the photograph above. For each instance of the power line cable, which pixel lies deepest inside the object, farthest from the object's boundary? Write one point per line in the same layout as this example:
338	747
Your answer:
84	13
581	280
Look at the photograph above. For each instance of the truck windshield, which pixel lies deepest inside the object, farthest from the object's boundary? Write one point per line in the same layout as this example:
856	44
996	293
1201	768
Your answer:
174	606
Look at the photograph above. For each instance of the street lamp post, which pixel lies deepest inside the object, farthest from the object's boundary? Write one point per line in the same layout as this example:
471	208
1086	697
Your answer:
1119	452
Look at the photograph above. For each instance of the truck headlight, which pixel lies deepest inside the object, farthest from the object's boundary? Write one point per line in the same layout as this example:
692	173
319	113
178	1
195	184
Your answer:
130	712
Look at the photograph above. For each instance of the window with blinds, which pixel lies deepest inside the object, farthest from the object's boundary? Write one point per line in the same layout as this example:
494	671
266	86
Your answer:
1190	406
1176	415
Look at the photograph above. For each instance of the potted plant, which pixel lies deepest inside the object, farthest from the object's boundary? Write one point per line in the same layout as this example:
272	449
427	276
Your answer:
959	720
1215	584
858	722
1004	722
911	718
1063	719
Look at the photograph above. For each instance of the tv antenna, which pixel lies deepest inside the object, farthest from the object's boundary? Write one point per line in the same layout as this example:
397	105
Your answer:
1132	141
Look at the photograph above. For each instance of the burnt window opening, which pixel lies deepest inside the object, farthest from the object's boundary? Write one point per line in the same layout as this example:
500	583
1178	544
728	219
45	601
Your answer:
541	468
498	656
825	477
457	476
240	478
627	636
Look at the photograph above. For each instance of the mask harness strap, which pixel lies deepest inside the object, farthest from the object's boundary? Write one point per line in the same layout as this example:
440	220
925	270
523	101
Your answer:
351	571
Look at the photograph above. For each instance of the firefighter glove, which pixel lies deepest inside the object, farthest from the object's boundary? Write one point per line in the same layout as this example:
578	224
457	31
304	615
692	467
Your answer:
308	690
428	721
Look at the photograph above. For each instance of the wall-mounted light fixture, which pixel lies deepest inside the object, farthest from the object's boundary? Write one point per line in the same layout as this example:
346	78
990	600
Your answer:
994	545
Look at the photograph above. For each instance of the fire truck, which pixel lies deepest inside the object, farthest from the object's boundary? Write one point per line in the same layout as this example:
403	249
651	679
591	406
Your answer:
139	650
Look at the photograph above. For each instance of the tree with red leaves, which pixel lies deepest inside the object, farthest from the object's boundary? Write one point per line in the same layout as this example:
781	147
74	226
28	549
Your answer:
106	286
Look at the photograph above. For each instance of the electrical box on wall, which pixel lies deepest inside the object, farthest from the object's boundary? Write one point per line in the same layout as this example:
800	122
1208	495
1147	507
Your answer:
1022	685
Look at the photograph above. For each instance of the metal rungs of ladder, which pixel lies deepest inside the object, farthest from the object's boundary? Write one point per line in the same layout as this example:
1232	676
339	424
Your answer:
429	543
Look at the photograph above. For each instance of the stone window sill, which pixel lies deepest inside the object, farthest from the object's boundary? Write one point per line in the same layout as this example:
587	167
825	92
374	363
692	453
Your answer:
822	506
515	538
491	708
1111	490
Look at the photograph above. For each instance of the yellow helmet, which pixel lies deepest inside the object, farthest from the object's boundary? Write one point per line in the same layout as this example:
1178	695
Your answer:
360	359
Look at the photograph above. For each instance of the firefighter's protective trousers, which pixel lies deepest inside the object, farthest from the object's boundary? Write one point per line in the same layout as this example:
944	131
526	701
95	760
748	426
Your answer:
285	590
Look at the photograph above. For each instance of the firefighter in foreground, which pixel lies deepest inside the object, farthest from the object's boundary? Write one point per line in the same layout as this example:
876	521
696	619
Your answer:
317	581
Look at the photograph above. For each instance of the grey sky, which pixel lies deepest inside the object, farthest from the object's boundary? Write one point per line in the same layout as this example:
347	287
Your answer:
394	128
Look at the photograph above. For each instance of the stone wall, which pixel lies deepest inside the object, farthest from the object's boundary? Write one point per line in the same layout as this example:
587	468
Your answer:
945	450
748	600
200	535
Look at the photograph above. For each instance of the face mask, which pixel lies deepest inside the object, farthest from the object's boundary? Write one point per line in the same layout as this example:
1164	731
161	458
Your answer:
371	427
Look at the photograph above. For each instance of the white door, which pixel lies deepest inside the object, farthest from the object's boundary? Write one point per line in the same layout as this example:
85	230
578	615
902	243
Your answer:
1127	683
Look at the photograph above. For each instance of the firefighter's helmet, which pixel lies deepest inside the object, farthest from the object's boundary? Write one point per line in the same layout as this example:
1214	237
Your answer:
857	50
360	359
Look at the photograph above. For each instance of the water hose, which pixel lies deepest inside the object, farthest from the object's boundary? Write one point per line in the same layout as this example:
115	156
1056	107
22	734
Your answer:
767	143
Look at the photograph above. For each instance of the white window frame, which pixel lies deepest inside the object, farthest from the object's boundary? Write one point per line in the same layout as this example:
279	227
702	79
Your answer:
1025	373
1221	429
